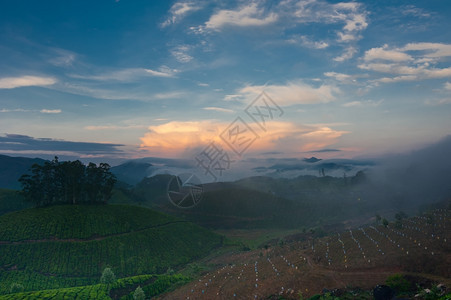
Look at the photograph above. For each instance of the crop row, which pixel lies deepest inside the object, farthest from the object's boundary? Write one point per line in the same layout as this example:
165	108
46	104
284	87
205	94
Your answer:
99	291
32	281
144	252
81	221
160	285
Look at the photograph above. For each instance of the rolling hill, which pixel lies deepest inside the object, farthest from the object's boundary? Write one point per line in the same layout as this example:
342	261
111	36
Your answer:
67	246
264	202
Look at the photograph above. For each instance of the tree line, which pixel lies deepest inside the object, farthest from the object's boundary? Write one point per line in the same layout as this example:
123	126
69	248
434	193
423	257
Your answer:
67	182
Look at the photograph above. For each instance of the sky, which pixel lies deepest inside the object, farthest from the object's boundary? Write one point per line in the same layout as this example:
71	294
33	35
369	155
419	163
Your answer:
125	79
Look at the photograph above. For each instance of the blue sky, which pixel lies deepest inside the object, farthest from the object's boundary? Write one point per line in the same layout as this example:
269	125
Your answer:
162	78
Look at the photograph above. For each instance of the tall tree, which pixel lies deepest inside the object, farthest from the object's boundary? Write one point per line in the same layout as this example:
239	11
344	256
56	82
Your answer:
68	182
108	278
108	181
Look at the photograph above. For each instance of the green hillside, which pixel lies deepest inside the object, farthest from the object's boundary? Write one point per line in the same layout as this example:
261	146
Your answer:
264	202
11	200
65	246
122	289
229	206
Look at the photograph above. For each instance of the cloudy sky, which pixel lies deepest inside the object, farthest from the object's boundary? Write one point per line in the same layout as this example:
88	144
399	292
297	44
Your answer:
162	78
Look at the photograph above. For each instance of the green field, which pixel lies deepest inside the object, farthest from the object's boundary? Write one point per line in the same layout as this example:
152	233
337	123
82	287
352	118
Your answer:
67	246
123	289
11	200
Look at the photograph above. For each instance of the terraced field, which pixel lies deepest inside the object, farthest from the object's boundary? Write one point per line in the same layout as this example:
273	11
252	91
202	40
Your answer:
69	246
360	257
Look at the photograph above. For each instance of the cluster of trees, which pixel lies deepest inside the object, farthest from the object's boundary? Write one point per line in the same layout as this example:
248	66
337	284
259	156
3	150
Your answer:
68	182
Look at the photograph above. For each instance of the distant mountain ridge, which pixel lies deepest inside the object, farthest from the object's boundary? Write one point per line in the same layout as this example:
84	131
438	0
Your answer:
312	159
11	168
131	172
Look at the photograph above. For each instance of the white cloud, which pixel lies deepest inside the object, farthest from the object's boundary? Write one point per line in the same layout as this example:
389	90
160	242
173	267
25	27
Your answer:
233	97
23	81
163	71
296	92
250	15
353	104
129	74
63	58
181	54
383	54
414	61
5	110
43	111
351	14
432	50
308	43
168	95
363	103
50	111
412	10
347	37
447	86
178	11
349	20
188	138
397	79
344	78
409	72
220	109
203	84
114	94
392	68
355	21
347	54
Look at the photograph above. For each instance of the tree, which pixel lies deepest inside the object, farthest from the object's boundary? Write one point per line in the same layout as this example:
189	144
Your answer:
378	218
385	222
93	183
139	294
108	181
67	182
108	278
16	288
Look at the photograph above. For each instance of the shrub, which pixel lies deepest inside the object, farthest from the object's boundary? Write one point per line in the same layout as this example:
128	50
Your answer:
398	283
139	294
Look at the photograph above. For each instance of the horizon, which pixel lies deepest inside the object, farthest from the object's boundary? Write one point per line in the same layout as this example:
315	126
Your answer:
340	79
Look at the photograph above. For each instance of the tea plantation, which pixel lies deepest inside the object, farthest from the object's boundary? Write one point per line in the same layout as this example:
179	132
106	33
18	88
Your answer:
69	246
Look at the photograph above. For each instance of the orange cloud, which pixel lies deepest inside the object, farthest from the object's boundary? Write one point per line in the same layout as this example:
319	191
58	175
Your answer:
175	139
